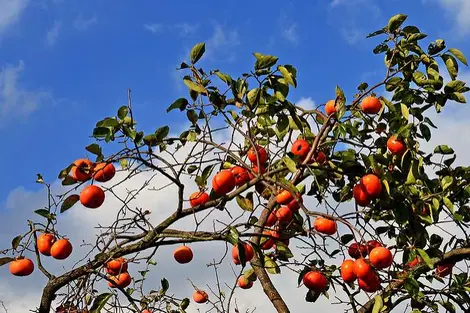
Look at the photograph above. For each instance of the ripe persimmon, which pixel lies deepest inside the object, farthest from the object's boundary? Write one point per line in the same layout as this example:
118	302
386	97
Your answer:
381	257
241	175
116	266
44	243
301	148
272	219
183	254
284	197
82	170
244	283
121	280
325	225
445	269
198	198
330	107
257	170
92	197
104	172
395	145
371	105
266	242
21	267
294	205
414	262
61	249
370	283
223	182
146	311
357	250
284	214
249	252
347	271
200	296
360	195
371	244
362	268
372	185
315	280
262	155
320	157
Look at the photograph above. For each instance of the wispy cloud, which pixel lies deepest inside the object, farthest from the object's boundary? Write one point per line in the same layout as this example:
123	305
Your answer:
222	43
459	11
16	101
10	12
154	27
290	33
347	15
53	33
182	29
82	23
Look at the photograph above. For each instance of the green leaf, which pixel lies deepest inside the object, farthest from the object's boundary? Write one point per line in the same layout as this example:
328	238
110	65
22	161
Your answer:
290	164
16	242
5	260
287	75
448	204
165	284
404	111
420	78
443	149
184	303
393	83
100	302
412	286
224	77
207	171
264	61
378	304
459	55
425	131
180	104
446	182
395	22
425	258
43	212
197	52
451	64
101	132
192	116
69	202
193	86
346	238
457	96
191	169
161	133
245	203
233	235
252	95
94	148
271	266
123	111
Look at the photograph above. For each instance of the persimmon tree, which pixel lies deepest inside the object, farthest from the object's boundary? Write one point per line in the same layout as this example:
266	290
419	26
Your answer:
343	195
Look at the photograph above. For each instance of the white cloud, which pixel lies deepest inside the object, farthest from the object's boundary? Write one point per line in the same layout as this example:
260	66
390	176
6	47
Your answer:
222	43
16	101
53	33
459	10
290	33
10	12
82	23
154	28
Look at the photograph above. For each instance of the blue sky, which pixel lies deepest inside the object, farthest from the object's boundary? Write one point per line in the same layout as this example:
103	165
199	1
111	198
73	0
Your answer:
66	64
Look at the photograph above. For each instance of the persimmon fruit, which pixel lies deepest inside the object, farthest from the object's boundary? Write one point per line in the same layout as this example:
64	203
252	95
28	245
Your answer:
371	105
183	254
330	107
372	185
82	170
121	280
21	267
223	182
362	268
347	271
244	283
241	175
284	197
360	195
325	225
45	242
262	154
104	172
61	249
381	257
249	252
284	214
92	197
395	145
301	148
315	280
200	296
116	266
198	198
